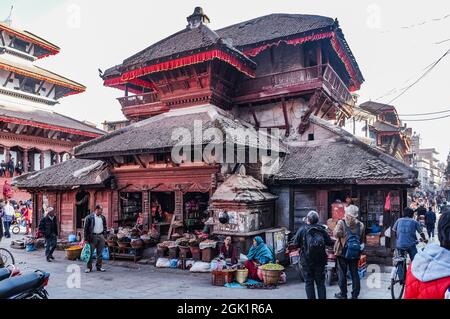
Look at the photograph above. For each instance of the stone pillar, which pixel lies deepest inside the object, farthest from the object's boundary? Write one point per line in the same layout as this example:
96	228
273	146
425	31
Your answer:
41	160
25	161
58	159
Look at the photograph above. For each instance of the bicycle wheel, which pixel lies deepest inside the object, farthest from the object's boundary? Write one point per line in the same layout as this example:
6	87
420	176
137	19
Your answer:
397	284
6	258
15	230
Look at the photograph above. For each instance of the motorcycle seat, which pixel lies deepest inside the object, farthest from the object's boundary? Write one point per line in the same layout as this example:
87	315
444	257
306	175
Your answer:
16	285
4	273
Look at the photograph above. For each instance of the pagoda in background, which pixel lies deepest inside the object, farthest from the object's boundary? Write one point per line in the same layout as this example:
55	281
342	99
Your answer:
31	137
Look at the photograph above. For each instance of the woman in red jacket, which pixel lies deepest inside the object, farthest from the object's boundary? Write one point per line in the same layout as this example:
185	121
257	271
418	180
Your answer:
428	276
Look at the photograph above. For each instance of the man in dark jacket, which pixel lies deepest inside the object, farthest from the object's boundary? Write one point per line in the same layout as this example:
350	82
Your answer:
430	222
312	239
94	234
49	227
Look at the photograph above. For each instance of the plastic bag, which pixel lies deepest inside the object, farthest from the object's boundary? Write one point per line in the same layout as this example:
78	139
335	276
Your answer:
200	266
163	263
105	253
173	263
85	253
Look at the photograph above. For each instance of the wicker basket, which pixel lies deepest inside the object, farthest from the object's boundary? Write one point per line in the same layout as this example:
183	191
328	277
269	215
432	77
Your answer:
173	252
241	275
74	253
111	243
221	277
137	244
185	252
196	253
271	277
124	245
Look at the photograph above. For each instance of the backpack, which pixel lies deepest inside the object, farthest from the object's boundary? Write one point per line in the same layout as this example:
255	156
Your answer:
352	248
314	244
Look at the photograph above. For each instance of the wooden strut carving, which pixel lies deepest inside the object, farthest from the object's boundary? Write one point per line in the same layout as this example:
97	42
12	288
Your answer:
314	103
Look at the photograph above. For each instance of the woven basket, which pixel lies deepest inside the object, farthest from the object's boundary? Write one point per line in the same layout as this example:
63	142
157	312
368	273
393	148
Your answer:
221	277
74	254
124	245
271	277
111	243
241	275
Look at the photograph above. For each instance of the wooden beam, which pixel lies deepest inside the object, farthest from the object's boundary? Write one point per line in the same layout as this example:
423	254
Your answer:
39	87
2	38
319	108
140	161
12	42
254	116
7	79
327	110
51	90
286	119
31	48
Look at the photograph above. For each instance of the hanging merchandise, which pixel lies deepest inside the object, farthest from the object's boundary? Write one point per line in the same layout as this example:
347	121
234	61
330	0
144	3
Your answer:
387	203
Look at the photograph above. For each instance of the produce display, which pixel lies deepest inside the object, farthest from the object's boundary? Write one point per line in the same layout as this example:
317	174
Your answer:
272	267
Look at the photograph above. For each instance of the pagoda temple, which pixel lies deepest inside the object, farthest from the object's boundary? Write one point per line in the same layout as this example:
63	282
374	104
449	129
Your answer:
32	137
289	73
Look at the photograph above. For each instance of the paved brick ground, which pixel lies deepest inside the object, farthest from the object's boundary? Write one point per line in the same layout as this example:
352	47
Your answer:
125	279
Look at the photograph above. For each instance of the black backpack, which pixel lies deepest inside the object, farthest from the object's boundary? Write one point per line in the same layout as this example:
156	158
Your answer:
314	245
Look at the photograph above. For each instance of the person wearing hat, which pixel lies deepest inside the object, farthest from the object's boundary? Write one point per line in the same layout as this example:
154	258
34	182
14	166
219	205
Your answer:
348	230
49	227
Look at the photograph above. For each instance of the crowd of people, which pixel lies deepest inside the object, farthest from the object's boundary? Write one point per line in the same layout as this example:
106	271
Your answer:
10	168
12	212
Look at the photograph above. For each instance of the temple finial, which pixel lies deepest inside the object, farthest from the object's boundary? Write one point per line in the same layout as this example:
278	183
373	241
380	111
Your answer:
8	20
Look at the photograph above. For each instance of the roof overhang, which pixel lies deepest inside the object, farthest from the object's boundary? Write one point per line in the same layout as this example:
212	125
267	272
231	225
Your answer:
133	76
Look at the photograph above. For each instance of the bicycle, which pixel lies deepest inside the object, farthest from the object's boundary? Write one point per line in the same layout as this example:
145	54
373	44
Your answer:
398	274
6	258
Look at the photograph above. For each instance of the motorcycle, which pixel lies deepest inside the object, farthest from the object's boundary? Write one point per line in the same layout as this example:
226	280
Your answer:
9	272
26	286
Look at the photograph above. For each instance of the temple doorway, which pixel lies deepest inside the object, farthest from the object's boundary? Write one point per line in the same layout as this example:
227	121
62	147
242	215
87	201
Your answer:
82	208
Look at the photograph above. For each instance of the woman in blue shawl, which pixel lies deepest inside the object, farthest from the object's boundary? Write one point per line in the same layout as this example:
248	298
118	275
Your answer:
259	254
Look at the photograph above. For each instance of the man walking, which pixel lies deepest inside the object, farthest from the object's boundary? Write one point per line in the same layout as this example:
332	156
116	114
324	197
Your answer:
8	217
94	234
405	229
430	222
312	240
349	234
49	227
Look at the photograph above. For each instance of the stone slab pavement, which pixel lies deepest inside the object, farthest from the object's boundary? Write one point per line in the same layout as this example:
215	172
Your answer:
125	280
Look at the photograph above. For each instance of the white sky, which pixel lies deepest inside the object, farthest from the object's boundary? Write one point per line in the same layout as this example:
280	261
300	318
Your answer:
101	33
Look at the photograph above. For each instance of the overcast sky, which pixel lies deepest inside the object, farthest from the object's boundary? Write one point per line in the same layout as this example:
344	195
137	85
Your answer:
393	42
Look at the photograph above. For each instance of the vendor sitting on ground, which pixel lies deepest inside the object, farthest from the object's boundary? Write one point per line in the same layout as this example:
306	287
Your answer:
259	254
228	251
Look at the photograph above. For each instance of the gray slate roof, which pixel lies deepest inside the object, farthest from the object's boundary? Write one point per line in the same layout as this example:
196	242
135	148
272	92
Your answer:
155	134
68	174
375	107
273	26
344	160
385	127
176	45
46	117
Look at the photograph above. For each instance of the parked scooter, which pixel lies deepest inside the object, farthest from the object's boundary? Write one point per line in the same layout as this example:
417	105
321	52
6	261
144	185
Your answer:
27	286
9	272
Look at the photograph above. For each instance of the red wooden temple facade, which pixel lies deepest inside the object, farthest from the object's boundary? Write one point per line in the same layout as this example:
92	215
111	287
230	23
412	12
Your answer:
273	72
